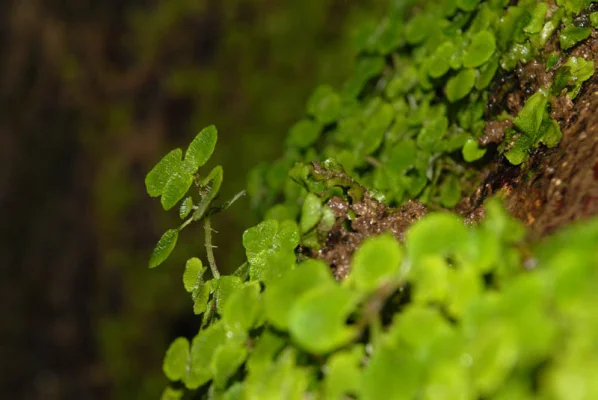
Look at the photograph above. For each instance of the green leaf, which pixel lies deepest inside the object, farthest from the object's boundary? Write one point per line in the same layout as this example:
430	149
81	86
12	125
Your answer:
530	117
421	330
418	28
311	212
439	63
551	134
449	380
450	191
267	240
201	148
317	319
324	104
402	157
263	354
594	19
391	374
210	189
487	73
227	286
520	150
343	373
304	133
157	178
436	234
164	247
365	69
538	17
467	5
177	359
243	308
193	275
186	207
571	35
172	394
430	280
471	151
282	379
572	74
465	286
226	361
431	134
280	298
480	50
376	262
460	85
373	132
203	349
178	185
194	284
494	352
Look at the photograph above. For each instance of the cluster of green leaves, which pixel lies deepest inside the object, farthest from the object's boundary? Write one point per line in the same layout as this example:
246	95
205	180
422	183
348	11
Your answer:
467	319
172	178
533	124
407	123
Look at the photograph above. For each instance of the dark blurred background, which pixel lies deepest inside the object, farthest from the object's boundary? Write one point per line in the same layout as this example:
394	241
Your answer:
92	95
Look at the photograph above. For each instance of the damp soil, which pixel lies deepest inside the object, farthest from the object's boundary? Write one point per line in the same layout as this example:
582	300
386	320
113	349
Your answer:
370	218
555	187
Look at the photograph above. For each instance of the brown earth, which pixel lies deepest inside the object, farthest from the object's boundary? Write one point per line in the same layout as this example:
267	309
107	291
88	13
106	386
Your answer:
556	186
371	218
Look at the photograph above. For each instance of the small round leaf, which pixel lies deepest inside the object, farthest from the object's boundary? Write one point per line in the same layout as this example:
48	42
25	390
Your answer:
176	359
376	261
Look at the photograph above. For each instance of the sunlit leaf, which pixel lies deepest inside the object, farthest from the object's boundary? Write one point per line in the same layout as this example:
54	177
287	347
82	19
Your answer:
243	308
227	286
317	319
480	50
450	192
172	394
392	373
282	379
177	186
177	359
377	261
471	151
311	212
186	207
164	247
280	298
265	240
530	117
201	148
437	234
225	362
460	85
158	177
343	373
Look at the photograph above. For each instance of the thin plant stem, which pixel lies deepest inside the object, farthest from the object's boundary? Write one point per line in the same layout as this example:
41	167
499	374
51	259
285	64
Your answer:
207	225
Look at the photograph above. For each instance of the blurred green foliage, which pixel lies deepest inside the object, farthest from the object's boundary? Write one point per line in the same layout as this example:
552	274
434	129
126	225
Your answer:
474	323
